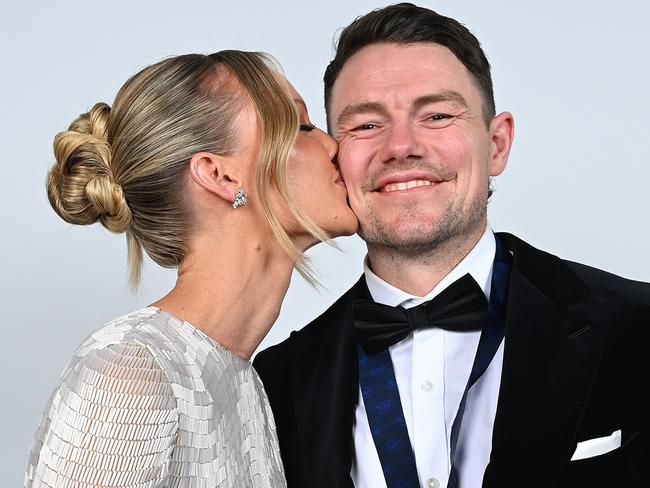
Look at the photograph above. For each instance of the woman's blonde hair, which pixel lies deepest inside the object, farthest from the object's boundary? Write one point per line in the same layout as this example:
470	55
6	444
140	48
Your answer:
127	167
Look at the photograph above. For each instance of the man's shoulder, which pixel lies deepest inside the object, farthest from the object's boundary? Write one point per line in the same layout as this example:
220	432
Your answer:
606	283
598	281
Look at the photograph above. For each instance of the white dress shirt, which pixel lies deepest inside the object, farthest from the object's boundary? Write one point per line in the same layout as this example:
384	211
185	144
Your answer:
432	367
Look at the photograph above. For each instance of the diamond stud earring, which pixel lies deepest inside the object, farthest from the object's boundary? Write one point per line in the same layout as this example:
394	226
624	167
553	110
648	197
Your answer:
240	198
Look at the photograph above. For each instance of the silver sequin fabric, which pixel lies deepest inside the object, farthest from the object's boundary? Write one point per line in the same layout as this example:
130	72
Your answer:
150	401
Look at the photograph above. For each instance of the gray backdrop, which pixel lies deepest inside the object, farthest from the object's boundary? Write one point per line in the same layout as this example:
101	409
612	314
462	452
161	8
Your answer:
575	75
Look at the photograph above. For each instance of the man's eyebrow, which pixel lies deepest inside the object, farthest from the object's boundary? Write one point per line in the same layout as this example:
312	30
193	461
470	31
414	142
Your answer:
359	108
447	96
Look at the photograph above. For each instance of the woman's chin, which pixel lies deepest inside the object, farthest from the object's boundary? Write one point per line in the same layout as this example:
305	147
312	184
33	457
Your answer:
338	225
343	226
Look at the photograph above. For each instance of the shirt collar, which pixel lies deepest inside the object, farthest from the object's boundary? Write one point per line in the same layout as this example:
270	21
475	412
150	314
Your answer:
478	263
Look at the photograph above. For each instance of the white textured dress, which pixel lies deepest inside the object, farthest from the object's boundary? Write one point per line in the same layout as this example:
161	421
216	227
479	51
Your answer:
150	401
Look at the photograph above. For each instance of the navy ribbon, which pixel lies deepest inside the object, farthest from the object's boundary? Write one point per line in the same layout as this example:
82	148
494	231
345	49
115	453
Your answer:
381	396
386	419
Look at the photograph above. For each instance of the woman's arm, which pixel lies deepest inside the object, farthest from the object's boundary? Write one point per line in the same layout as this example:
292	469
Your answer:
111	422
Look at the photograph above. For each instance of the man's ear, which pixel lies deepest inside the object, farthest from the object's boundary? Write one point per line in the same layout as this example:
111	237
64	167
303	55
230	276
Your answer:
215	174
502	133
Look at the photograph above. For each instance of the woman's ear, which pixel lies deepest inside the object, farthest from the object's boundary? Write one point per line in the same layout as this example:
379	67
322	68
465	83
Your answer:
215	174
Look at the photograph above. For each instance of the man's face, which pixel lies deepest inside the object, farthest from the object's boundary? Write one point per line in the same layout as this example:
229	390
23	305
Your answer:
415	152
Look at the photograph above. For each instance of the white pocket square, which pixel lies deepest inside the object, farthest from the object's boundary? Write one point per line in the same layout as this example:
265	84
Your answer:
598	446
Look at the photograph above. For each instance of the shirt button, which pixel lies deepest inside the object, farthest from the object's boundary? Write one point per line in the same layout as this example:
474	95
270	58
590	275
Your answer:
426	386
433	483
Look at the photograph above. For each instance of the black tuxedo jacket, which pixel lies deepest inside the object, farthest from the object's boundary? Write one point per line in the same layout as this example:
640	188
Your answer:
575	367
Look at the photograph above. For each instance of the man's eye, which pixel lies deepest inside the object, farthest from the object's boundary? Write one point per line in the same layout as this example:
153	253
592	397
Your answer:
440	117
366	127
307	127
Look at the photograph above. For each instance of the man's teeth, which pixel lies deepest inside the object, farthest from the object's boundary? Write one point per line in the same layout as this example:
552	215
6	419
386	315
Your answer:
405	185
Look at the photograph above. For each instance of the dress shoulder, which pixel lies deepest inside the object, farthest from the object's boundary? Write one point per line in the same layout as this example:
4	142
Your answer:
112	419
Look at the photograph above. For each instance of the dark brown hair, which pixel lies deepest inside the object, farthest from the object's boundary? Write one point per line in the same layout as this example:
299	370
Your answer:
405	23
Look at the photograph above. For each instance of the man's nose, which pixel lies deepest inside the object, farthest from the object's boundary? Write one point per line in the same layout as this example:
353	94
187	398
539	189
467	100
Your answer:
401	144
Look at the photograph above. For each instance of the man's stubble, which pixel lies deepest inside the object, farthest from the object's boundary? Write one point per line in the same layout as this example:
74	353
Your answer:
419	242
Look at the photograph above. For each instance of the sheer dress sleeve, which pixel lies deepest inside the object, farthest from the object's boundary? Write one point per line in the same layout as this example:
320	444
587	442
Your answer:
112	422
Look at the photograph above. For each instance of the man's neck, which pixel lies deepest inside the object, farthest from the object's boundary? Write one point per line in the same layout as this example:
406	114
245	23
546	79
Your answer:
421	273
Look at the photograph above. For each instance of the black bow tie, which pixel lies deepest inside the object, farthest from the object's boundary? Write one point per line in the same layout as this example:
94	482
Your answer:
461	307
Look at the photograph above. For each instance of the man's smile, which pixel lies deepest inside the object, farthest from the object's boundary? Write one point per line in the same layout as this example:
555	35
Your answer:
407	185
404	181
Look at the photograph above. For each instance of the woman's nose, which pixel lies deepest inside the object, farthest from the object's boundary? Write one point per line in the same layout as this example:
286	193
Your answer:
329	143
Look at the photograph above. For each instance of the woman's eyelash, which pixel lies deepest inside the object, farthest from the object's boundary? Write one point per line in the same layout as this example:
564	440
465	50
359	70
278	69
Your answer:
307	127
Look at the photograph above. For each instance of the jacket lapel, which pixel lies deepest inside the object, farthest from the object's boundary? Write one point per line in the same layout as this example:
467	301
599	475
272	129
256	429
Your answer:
326	395
555	334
